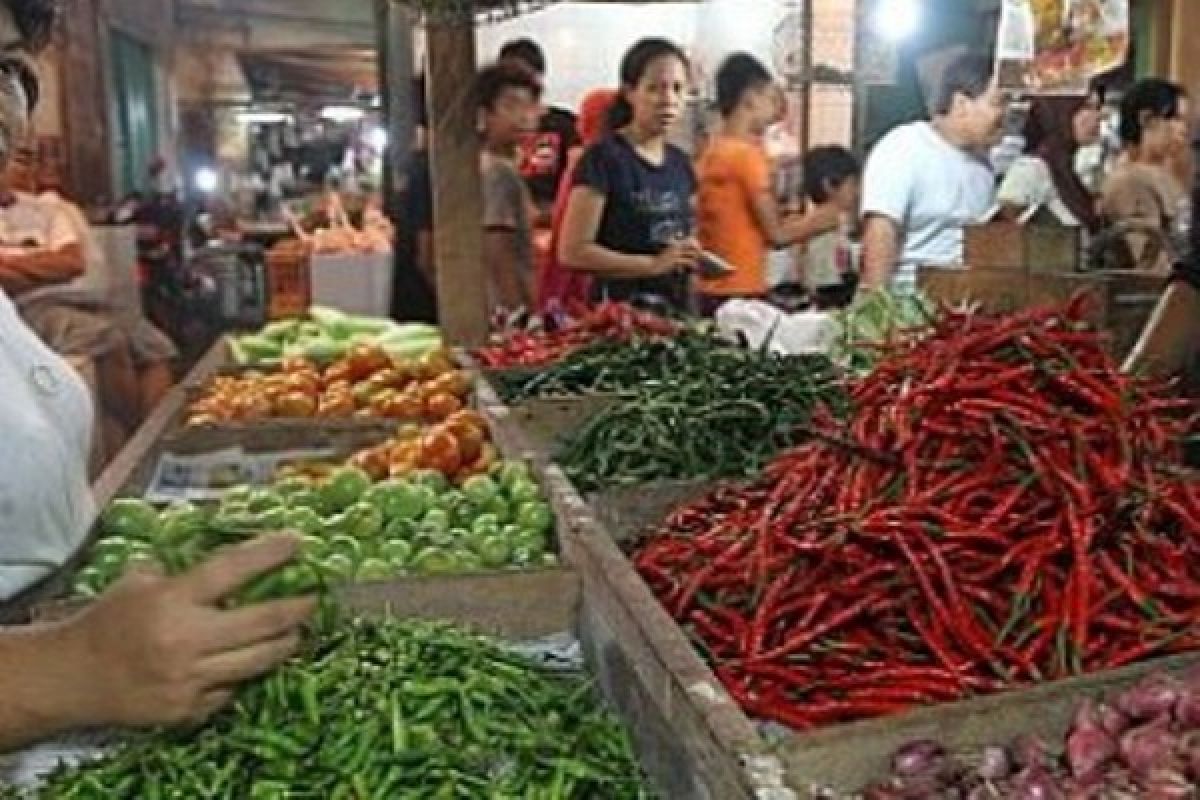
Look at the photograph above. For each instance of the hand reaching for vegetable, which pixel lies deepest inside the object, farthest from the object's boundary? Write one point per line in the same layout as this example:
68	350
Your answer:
161	650
152	650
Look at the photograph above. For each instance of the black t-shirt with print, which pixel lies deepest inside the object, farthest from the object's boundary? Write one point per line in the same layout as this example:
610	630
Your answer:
542	156
646	207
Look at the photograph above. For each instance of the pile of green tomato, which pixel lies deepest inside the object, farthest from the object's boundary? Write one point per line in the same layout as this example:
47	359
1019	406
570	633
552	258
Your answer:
353	530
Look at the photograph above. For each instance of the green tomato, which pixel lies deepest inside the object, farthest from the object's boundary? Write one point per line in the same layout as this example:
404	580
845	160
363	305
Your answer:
400	529
89	582
468	561
346	545
113	562
486	525
480	490
521	492
532	541
338	567
314	545
303	520
372	570
535	516
435	520
397	500
430	478
493	551
272	519
111	544
396	552
501	508
365	521
343	488
130	517
306	498
524	557
237	495
264	500
451	500
512	472
436	561
291	486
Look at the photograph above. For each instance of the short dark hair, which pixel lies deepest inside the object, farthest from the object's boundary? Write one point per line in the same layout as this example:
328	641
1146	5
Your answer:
1153	96
968	74
491	82
35	19
528	52
827	168
738	74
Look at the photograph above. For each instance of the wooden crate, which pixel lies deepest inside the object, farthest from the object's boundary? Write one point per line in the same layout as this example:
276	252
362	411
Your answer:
539	425
844	757
1031	248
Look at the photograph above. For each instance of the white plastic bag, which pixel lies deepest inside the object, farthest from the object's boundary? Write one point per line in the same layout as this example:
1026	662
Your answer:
762	325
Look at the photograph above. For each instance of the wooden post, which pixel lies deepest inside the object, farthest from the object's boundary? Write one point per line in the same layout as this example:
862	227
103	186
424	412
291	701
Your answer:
457	197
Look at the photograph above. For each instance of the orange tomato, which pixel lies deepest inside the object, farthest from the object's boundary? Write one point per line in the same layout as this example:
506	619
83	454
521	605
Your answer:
442	405
297	364
410	431
468	416
339	372
336	405
470	439
365	360
372	461
403	405
434	364
439	450
295	404
305	381
456	382
252	405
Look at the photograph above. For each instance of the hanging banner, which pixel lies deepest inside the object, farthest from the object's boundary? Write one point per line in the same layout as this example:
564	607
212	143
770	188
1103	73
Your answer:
1058	46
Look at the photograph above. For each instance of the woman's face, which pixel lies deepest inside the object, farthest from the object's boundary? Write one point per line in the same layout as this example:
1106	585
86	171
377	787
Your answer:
658	98
1163	137
1086	122
846	196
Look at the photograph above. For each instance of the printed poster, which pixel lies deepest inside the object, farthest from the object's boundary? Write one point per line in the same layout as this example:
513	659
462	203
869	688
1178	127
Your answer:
1058	46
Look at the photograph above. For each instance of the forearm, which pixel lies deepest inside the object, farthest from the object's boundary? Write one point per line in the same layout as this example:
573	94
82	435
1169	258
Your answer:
600	260
40	680
1170	338
880	251
40	268
801	230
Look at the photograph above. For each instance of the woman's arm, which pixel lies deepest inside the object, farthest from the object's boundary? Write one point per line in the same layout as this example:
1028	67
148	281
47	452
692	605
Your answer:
579	250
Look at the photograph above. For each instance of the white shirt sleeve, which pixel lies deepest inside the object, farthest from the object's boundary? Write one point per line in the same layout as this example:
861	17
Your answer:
61	228
1027	183
888	178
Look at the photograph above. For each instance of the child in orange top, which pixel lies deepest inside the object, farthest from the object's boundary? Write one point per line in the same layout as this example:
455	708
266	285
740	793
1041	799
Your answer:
737	212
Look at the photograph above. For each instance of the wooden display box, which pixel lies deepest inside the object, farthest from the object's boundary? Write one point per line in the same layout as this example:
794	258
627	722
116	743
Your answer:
1038	246
538	426
847	757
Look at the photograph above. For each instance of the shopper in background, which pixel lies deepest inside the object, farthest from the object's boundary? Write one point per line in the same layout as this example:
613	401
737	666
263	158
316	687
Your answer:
925	181
629	220
543	153
739	218
1045	176
831	183
1143	201
506	96
414	291
559	288
152	650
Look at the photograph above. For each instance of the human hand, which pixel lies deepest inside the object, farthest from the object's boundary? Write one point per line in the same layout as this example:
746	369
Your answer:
679	256
155	650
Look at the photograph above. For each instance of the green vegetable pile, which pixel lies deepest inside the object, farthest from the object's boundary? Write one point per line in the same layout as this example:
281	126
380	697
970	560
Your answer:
384	709
723	413
615	367
874	320
329	334
353	530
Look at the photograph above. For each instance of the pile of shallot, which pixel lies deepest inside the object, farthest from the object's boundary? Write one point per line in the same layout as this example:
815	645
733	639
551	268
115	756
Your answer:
1144	744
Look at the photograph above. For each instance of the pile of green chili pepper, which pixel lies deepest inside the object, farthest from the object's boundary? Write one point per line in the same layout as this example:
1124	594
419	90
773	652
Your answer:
1001	508
388	710
725	414
612	367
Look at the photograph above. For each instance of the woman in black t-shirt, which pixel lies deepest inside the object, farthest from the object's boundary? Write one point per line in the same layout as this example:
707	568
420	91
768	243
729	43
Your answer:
629	219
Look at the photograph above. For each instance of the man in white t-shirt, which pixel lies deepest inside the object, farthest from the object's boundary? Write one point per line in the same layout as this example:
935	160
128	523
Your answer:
924	181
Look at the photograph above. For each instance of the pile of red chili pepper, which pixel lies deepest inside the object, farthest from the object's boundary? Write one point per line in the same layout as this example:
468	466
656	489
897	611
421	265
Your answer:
1002	508
606	321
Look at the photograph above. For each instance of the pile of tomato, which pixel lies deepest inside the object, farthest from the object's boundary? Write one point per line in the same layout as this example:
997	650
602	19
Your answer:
459	448
367	382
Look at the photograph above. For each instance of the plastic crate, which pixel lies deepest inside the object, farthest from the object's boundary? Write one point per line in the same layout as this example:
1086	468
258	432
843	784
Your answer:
289	281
